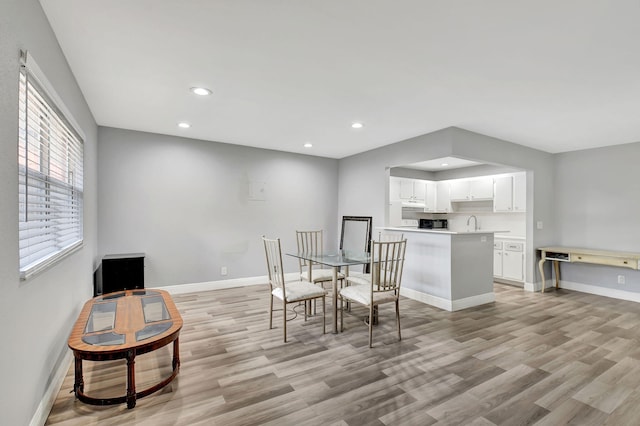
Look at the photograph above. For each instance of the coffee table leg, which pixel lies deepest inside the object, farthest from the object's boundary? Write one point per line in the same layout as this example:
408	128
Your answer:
78	385
131	379
176	354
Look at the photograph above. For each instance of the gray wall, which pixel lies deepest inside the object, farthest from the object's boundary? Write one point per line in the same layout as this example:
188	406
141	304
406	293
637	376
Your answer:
37	314
597	197
186	204
363	177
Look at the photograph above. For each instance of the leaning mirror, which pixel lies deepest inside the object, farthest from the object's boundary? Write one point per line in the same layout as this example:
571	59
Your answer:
356	234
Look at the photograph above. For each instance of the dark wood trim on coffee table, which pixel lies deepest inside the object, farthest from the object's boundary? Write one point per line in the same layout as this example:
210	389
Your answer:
129	319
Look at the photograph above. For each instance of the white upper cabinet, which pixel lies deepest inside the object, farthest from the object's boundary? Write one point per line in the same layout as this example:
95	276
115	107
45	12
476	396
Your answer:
419	187
520	192
430	196
443	202
406	189
481	189
471	189
459	190
510	193
503	194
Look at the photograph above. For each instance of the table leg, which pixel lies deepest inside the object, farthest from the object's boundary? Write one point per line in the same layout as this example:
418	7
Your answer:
78	385
334	285
556	266
131	379
543	256
176	354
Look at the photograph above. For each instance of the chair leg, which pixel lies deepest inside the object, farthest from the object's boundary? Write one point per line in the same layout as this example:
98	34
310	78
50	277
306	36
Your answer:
324	325
284	319
341	314
271	312
398	318
371	325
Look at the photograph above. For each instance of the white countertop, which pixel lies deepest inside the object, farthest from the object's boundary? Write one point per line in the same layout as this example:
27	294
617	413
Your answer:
439	231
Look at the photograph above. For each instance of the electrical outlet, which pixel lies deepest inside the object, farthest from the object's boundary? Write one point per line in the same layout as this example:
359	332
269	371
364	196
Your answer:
539	224
621	279
223	270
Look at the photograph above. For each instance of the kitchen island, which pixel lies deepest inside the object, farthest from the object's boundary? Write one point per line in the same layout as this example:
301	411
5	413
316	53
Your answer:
447	269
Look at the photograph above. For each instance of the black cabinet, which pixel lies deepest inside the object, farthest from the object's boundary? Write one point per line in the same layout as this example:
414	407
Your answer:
119	272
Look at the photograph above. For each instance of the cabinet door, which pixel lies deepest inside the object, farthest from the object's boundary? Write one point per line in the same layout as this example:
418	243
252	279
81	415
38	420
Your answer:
512	265
497	263
503	194
430	197
406	189
459	190
520	192
481	189
443	202
419	189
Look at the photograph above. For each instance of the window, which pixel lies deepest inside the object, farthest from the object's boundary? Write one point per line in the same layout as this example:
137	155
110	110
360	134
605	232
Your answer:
50	160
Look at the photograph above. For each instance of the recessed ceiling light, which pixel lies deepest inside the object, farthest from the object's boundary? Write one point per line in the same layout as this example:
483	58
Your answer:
184	125
357	125
201	91
444	164
308	145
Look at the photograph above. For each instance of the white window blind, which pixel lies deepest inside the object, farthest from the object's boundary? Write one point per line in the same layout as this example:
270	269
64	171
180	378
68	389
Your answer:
50	164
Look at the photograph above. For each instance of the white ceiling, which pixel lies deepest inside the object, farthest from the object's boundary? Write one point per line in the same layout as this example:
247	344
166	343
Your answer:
439	164
553	75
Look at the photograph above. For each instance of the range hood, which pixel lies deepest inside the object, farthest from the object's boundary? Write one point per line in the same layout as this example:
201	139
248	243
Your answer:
413	204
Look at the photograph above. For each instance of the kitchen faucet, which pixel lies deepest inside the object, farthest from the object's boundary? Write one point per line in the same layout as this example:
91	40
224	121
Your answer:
475	222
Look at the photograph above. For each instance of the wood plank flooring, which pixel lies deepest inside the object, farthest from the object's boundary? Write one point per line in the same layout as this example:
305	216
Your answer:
556	358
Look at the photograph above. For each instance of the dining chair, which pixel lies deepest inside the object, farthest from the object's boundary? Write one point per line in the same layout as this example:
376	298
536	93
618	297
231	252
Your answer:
312	242
287	292
365	278
387	261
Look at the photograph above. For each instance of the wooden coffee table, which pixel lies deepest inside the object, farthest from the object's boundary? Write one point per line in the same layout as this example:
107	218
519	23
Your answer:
122	325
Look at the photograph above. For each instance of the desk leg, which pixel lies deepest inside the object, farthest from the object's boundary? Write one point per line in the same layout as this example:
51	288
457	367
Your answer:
131	379
543	256
556	266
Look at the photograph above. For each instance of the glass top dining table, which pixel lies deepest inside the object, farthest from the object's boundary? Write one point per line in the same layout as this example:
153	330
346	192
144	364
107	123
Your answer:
335	260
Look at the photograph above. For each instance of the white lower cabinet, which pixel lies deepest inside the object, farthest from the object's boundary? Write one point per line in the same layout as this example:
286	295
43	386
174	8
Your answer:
497	259
508	260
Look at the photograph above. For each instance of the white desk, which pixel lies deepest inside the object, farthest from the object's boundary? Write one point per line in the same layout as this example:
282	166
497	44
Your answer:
580	255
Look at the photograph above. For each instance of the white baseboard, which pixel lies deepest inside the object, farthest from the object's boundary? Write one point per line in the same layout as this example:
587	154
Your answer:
217	285
601	291
469	302
51	392
446	304
533	287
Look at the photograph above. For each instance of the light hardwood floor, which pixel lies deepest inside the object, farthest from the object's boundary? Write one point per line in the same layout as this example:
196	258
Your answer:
556	358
